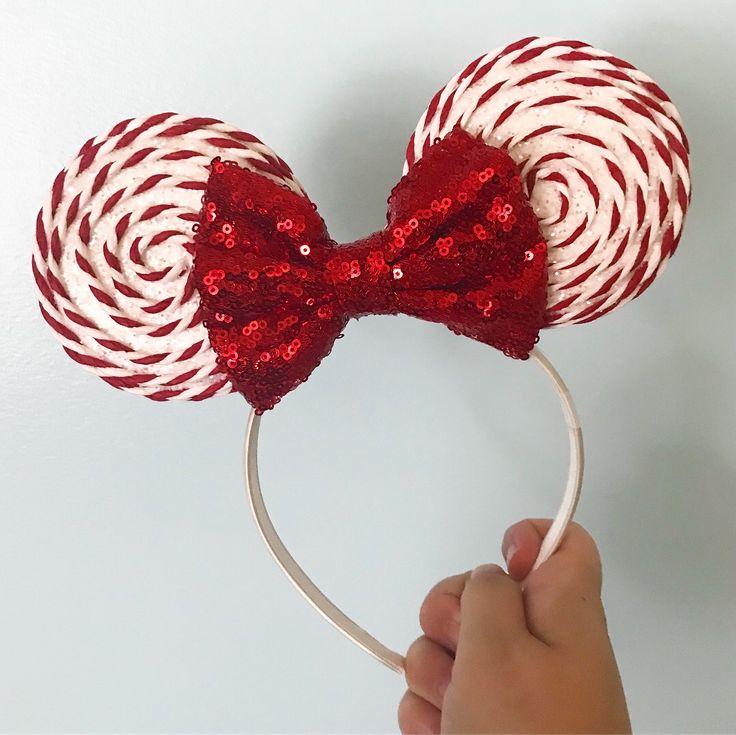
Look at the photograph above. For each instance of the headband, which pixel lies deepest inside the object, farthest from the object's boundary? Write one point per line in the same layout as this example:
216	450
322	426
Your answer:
180	258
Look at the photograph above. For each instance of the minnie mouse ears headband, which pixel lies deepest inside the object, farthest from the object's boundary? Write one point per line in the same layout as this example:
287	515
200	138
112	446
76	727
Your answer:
179	258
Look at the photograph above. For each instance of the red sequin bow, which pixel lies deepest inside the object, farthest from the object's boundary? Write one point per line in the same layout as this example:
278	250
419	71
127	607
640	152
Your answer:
462	247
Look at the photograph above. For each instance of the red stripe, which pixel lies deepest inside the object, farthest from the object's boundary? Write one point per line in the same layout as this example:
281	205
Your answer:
87	154
409	152
564	208
56	284
137	157
42	284
676	146
505	114
539	131
638	154
162	236
154	275
166	329
71	212
582	257
592	188
589	82
120	127
582	277
154	211
606	286
196	320
111	258
191	351
603	112
79	319
125	321
88	360
127	381
122	226
210	391
537	76
164	395
225	143
58	326
615	219
555	100
638	108
183	377
57	190
579	231
84	229
150	359
150	182
243	136
100	179
470	68
669	243
126	139
112	201
160	306
643	247
112	344
43	243
620	251
641	207
135	252
586	138
489	93
664	202
682	197
180	155
663	151
84	264
617	174
102	297
126	290
55	245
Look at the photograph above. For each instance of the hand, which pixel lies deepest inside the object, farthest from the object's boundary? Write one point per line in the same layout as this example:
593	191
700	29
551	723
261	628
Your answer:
511	653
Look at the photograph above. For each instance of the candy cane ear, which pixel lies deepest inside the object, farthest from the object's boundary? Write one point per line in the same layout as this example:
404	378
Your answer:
114	254
603	157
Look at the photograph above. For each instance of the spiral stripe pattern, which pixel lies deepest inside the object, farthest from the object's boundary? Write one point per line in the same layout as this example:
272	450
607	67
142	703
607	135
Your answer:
603	156
113	252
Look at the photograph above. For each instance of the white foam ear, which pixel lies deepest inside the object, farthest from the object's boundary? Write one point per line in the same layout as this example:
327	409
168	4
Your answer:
603	156
113	252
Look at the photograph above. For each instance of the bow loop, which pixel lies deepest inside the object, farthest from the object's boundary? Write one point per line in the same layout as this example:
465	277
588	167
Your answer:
462	247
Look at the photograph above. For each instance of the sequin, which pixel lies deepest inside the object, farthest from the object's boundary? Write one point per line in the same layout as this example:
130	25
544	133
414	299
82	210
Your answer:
462	247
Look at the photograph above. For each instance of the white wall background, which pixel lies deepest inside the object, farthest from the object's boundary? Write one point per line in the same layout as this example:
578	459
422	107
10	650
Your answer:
135	594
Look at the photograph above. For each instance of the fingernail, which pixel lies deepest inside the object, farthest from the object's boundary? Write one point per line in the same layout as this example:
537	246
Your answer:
486	569
513	548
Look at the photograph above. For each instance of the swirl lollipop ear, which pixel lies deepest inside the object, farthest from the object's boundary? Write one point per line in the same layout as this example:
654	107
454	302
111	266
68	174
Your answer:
603	157
114	255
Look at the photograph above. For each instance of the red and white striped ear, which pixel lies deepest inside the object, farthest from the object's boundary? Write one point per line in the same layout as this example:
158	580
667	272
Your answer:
603	156
113	253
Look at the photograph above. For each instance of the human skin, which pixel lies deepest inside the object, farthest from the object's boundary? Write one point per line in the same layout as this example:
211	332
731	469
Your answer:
517	652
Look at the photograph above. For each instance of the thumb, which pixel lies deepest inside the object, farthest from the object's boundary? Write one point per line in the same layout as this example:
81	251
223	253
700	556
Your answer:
562	595
491	617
